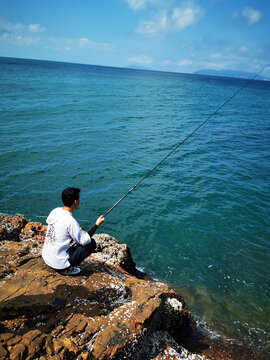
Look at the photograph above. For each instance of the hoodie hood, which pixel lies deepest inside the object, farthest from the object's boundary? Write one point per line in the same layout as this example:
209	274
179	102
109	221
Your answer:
57	214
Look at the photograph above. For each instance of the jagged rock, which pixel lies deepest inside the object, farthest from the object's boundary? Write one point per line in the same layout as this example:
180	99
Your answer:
3	352
104	313
33	230
161	346
111	251
18	352
11	227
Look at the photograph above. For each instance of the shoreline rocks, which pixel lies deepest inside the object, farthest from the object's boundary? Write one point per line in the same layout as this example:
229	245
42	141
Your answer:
109	311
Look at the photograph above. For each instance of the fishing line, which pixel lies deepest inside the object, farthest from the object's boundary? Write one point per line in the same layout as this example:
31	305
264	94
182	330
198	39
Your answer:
35	216
183	141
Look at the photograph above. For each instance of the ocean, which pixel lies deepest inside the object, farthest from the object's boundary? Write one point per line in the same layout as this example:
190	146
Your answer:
200	222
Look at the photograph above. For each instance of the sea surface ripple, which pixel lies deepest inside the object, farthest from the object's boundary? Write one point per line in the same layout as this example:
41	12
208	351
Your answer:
199	222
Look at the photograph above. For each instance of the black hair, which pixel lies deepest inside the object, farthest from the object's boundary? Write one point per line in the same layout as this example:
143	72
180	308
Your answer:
69	195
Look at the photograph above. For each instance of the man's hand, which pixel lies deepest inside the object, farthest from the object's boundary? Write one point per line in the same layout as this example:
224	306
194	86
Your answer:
100	220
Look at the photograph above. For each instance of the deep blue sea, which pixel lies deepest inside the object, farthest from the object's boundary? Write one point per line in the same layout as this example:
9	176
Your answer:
200	222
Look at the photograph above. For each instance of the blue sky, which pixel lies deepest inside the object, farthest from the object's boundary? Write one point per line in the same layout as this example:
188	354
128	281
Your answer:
166	35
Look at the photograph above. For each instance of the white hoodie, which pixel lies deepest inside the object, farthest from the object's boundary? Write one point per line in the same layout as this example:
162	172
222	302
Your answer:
62	228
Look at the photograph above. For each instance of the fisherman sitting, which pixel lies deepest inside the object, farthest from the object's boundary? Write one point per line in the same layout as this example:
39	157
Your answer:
62	228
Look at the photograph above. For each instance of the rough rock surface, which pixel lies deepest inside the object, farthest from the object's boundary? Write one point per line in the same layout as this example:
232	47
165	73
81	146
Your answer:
107	312
111	252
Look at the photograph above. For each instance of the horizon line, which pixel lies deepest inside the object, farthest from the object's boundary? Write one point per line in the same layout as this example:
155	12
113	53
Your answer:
133	67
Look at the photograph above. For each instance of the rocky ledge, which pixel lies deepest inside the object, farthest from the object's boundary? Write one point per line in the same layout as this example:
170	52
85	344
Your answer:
110	311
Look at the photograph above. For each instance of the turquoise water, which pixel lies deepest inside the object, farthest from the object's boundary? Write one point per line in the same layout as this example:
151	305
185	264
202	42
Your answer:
200	222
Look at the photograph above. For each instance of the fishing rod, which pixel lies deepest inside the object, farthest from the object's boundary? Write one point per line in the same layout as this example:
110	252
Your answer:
183	141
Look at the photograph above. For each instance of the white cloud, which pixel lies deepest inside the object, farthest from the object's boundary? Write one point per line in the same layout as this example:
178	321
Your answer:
19	34
215	56
36	28
136	4
243	48
167	62
226	62
140	4
186	15
154	26
141	59
176	19
213	65
69	44
252	16
17	39
66	48
185	62
8	27
89	44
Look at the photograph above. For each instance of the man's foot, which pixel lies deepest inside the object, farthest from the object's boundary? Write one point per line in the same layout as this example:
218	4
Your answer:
73	270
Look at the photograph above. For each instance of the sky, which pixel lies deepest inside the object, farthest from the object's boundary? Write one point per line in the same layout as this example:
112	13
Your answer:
165	35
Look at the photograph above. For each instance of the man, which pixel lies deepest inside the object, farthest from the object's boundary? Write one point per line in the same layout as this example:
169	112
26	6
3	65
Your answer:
62	229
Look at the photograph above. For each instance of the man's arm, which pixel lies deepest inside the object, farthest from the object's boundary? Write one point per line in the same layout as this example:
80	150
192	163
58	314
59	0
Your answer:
93	229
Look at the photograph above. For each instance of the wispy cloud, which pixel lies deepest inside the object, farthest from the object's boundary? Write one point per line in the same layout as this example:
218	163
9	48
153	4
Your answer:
20	34
233	60
19	40
185	62
216	65
8	27
215	56
69	44
167	62
250	15
174	19
243	48
89	44
154	26
141	4
186	15
181	63
140	59
64	48
36	28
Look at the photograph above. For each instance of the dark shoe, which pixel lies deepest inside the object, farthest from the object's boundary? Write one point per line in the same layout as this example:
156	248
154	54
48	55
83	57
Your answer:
73	270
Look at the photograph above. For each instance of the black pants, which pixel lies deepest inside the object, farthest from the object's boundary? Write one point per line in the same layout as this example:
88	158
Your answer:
79	252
